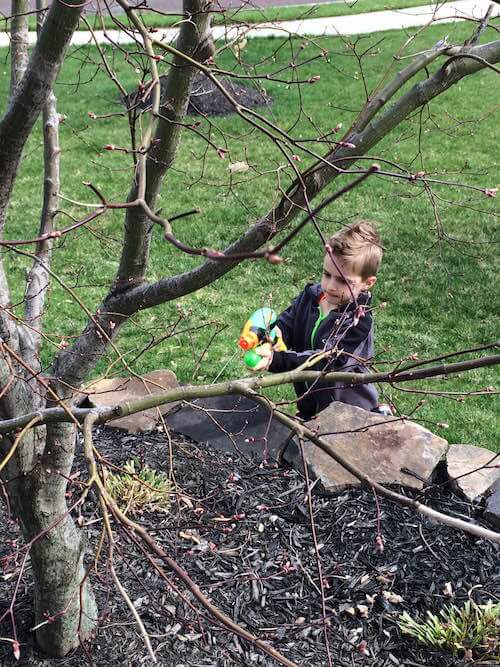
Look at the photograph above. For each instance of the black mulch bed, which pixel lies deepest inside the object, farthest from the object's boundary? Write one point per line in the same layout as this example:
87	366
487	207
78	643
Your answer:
246	541
206	99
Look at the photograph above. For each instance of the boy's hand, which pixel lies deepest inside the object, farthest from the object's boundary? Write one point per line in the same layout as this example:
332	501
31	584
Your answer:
266	352
279	342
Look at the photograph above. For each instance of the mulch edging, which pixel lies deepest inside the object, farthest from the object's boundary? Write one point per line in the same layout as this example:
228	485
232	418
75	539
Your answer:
244	537
206	98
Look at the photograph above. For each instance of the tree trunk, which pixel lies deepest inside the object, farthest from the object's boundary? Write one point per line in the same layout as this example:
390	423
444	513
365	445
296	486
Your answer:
39	468
65	609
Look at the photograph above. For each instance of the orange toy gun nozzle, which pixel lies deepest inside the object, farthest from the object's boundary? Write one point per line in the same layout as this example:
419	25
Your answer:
248	340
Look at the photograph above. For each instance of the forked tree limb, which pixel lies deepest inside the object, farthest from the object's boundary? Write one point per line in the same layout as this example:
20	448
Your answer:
160	145
131	294
322	173
255	383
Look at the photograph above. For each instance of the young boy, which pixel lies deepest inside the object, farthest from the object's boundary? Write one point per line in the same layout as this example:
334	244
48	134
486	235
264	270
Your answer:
333	316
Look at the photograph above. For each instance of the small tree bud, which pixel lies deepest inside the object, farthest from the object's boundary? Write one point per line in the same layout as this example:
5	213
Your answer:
363	648
214	254
16	650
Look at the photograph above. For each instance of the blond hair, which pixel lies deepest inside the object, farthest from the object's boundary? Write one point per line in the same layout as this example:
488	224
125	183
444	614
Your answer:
359	246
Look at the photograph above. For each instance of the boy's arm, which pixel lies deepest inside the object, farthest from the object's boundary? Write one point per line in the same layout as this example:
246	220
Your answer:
345	341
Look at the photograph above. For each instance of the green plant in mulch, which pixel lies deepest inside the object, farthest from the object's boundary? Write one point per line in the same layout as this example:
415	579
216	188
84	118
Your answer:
139	488
472	630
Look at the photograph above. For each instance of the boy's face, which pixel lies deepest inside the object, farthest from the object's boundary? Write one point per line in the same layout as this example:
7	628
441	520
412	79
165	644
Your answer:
340	284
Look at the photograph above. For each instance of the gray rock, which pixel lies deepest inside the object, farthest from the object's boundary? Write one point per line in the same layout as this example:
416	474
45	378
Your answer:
467	466
231	424
109	392
492	506
379	446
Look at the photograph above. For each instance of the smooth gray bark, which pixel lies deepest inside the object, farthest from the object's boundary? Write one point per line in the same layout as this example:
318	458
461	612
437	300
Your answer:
62	592
38	280
18	42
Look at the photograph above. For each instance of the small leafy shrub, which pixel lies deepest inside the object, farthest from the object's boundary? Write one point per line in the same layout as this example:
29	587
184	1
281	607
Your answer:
472	630
137	489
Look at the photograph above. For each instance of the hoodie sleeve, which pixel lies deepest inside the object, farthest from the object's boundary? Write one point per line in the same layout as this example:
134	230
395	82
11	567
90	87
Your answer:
342	342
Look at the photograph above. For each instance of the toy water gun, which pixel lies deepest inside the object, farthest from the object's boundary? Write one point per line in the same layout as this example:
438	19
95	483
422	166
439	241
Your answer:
259	329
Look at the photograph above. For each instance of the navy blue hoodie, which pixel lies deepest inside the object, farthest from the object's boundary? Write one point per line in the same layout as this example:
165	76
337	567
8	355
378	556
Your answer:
338	332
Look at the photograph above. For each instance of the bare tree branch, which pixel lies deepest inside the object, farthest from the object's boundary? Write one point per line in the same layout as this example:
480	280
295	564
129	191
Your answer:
316	179
103	415
39	422
30	96
37	282
194	41
18	42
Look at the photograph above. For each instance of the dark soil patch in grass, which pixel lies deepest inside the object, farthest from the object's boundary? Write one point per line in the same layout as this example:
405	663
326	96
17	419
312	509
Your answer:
206	98
243	534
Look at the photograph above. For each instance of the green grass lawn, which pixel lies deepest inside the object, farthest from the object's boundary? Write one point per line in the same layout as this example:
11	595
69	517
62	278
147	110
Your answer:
439	281
250	16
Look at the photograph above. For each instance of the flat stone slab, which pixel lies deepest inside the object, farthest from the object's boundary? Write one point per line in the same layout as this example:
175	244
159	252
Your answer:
231	424
492	506
109	392
467	466
379	446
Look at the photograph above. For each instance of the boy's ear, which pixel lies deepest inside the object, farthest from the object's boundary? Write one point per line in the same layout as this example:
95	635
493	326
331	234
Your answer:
370	282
